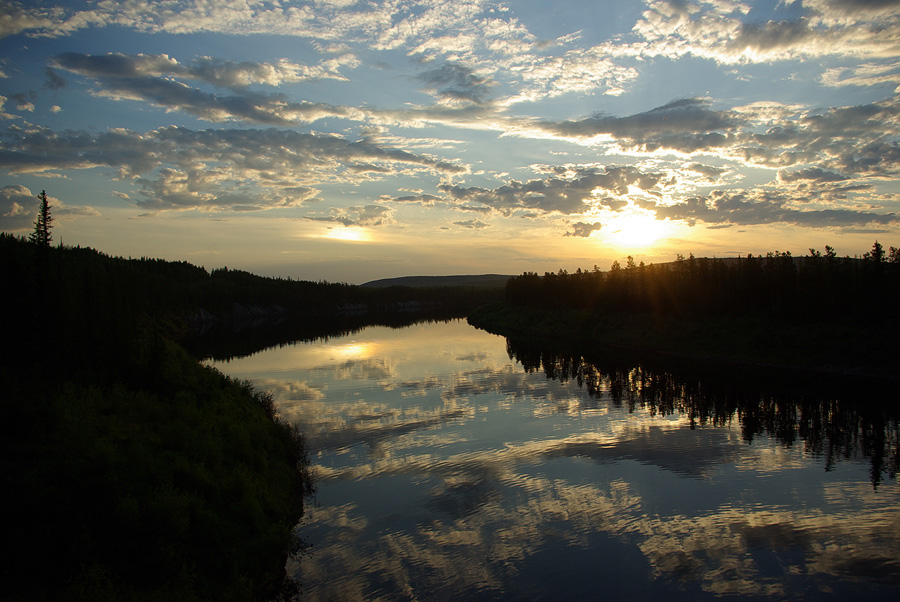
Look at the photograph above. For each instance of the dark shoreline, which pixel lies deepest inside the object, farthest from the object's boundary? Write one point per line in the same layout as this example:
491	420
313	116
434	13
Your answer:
714	342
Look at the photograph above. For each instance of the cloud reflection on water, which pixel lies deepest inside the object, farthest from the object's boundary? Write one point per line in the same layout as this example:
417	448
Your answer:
445	469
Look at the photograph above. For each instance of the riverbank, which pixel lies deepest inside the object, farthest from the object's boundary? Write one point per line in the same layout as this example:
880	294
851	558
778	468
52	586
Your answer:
815	347
133	472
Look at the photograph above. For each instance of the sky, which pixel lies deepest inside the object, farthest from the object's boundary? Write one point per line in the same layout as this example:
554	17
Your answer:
347	141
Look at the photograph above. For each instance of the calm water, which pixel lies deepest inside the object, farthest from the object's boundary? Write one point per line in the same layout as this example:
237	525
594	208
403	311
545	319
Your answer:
447	470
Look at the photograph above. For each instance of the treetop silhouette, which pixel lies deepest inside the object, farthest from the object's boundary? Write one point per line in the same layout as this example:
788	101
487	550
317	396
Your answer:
42	225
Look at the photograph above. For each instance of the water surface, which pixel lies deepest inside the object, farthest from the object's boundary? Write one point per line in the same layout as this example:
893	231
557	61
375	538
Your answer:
449	469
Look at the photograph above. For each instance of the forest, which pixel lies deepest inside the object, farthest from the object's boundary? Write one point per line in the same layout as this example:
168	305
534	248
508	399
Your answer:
133	471
815	311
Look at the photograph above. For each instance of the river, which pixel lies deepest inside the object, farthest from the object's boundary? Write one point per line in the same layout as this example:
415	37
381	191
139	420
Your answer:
453	464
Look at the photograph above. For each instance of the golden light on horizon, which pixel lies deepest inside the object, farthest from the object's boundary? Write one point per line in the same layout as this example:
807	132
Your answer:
349	234
637	231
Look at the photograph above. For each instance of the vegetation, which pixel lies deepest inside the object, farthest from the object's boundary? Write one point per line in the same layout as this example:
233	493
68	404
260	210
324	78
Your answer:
44	222
818	311
136	473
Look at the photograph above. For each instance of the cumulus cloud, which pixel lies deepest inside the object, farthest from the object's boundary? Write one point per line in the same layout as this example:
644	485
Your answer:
217	72
859	139
487	40
19	209
23	101
149	78
382	25
707	171
472	224
748	207
184	168
4	114
583	229
578	70
570	192
687	125
722	31
456	82
814	174
365	216
54	81
867	74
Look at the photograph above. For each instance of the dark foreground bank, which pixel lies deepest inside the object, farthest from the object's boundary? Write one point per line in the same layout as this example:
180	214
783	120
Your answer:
132	472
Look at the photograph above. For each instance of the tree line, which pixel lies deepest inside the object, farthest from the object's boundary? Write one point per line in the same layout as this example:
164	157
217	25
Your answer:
151	476
777	285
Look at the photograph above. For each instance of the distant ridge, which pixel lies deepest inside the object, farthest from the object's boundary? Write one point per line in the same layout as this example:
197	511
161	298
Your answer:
482	280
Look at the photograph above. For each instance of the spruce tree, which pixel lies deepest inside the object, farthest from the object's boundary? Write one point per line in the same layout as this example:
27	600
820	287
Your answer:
41	235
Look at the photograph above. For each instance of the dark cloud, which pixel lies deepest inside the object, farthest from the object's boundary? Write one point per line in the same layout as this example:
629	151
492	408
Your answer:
856	7
687	125
268	109
367	216
181	168
148	78
454	81
583	229
424	199
880	157
217	72
772	35
54	81
473	224
856	140
711	173
814	174
117	65
743	207
566	195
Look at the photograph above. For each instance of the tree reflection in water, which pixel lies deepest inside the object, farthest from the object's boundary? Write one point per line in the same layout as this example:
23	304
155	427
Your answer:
835	417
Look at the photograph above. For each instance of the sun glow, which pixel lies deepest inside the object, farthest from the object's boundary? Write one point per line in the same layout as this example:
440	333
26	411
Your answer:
637	231
349	234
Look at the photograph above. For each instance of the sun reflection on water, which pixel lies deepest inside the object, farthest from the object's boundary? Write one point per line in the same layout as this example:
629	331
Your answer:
449	470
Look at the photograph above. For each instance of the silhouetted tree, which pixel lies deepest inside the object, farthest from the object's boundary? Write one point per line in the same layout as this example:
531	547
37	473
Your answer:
894	255
876	255
41	235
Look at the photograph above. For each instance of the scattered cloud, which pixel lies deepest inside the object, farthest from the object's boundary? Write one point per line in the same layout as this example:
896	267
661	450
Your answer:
54	81
687	125
472	224
746	207
721	31
216	72
19	209
583	229
366	216
181	168
454	82
568	192
811	164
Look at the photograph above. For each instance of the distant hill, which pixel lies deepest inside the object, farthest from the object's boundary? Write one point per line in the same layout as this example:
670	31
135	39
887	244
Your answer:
483	281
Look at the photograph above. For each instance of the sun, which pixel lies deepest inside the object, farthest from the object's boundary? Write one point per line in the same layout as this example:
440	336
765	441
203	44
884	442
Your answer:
349	234
637	231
